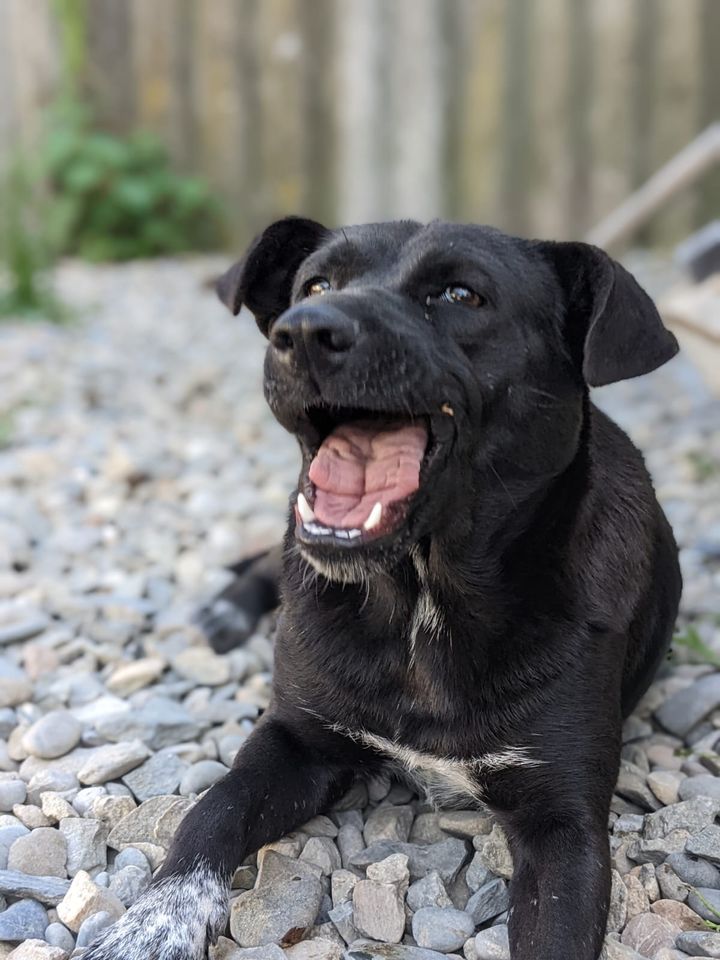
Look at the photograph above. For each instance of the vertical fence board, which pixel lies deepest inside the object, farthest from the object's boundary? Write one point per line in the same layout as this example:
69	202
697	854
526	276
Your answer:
481	112
281	132
643	88
610	114
247	200
361	110
708	199
8	111
157	102
456	52
317	83
34	61
109	48
216	117
676	108
547	170
517	154
416	95
643	95
183	79
578	102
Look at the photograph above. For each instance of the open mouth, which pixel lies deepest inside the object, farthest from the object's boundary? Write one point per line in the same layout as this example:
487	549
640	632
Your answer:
362	473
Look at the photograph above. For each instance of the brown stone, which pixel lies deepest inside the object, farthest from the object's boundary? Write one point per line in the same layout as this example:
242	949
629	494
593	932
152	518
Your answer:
648	933
679	914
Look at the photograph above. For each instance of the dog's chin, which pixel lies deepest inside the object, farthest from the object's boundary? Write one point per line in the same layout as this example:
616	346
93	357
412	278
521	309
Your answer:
346	570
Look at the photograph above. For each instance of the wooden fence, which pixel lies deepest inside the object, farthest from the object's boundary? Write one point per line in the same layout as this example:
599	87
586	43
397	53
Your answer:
537	115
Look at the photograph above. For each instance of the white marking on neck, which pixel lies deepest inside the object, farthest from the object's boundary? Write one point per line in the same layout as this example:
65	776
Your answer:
427	615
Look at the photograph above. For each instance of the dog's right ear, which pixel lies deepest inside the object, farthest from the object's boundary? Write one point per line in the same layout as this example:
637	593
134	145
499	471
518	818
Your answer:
263	279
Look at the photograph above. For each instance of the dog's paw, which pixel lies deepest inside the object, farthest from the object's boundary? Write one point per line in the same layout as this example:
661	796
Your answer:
231	617
177	919
225	624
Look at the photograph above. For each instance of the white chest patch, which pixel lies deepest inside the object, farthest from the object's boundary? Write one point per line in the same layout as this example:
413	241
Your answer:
445	780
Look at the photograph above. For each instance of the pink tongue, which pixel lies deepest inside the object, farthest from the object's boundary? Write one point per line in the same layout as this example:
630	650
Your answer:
363	463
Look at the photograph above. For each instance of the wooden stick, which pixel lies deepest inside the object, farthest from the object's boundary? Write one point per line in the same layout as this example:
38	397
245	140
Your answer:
685	168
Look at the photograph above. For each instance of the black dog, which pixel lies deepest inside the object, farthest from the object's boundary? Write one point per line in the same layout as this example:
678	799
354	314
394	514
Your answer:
498	582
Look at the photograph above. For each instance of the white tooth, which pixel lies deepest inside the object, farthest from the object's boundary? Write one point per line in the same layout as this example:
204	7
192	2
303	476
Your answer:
304	509
375	517
352	534
344	534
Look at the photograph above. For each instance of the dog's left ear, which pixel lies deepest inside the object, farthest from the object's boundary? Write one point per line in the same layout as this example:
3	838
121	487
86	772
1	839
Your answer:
612	324
263	279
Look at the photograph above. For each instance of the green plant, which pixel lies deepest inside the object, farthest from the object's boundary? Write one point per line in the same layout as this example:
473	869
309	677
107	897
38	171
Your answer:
25	290
71	16
117	198
704	466
711	925
693	642
7	428
85	192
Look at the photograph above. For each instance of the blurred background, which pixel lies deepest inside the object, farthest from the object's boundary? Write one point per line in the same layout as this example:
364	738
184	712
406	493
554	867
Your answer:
539	116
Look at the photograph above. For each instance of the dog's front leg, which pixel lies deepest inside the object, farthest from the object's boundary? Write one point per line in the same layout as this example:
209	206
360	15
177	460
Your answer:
277	783
560	888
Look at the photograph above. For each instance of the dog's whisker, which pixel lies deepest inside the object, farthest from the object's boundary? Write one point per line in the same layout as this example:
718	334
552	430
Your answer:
504	486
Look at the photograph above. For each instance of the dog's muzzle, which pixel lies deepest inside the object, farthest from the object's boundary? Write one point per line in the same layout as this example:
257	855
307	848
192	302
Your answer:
366	452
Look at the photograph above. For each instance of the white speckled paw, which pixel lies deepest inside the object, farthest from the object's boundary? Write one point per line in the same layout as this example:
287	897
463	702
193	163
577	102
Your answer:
176	919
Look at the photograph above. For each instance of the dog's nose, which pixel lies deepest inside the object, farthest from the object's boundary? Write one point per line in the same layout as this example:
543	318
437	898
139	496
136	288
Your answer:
319	333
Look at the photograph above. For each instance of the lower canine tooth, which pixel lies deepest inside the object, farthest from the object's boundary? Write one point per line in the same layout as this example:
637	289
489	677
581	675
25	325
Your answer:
304	509
375	517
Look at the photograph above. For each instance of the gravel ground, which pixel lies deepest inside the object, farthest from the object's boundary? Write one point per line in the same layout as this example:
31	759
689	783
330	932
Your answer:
137	458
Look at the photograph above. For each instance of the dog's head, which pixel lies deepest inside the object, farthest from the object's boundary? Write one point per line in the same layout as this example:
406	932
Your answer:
426	369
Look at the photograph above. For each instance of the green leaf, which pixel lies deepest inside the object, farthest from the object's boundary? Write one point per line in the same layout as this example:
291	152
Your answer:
147	151
134	194
110	152
61	222
83	176
60	149
693	642
708	906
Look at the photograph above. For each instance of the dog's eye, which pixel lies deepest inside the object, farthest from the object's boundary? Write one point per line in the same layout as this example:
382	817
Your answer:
316	287
456	293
